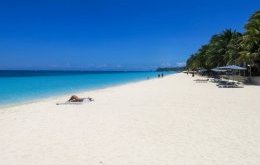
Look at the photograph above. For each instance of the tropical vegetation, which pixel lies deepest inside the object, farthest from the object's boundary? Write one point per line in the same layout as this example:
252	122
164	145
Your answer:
230	48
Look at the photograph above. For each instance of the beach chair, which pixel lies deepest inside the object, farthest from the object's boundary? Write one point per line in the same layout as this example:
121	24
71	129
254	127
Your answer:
230	85
201	80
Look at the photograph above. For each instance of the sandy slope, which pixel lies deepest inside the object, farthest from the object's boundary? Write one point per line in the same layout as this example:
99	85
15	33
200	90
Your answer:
162	121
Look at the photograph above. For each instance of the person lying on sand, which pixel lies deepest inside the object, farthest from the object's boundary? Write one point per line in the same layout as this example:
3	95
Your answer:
75	98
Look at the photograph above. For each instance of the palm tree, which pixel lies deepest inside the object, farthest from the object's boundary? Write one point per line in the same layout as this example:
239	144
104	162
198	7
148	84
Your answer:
202	57
230	47
222	48
233	48
250	43
192	62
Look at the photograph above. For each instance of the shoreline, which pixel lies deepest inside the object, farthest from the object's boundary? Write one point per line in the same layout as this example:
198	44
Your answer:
172	120
77	92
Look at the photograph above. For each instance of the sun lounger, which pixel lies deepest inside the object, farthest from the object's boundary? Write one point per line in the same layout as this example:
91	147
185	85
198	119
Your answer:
201	80
214	80
230	86
227	84
224	82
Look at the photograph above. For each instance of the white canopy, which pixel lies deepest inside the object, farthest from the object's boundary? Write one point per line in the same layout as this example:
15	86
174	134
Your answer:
232	67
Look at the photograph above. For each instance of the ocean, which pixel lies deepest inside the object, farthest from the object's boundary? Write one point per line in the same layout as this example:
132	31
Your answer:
27	86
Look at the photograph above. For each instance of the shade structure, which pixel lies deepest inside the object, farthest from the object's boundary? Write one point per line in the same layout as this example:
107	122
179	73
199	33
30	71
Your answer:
202	70
231	67
218	70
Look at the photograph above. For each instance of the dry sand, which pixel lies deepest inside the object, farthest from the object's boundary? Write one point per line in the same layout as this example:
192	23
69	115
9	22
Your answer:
173	120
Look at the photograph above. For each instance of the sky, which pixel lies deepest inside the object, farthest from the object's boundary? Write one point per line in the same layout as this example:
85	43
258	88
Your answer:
112	34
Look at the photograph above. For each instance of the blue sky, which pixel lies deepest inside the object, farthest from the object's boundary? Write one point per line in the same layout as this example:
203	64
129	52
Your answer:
112	34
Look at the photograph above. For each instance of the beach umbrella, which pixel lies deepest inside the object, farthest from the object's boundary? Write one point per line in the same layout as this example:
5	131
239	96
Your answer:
218	70
232	67
202	70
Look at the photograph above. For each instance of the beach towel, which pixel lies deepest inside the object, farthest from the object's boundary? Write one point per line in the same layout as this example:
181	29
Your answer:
74	103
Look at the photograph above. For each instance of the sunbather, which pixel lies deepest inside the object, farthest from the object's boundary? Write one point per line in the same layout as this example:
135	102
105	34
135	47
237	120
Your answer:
75	98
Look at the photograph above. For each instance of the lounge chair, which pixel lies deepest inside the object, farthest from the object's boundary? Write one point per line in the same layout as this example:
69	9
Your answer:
201	80
227	84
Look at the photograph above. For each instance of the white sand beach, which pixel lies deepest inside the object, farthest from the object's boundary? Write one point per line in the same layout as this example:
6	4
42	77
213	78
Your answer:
173	120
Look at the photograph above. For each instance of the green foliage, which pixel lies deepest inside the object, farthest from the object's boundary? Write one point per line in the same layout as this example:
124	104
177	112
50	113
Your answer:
251	40
229	47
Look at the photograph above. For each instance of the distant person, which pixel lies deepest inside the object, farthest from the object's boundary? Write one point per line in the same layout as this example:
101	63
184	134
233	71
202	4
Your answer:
193	74
162	75
159	75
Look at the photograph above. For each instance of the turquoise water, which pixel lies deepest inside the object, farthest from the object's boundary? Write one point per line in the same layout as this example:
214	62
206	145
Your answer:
26	86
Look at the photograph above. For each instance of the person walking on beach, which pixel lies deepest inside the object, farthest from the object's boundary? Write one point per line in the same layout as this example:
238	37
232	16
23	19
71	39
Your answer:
159	75
162	75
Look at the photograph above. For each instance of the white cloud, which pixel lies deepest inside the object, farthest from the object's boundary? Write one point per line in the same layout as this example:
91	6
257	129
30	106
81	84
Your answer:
181	64
166	64
101	66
